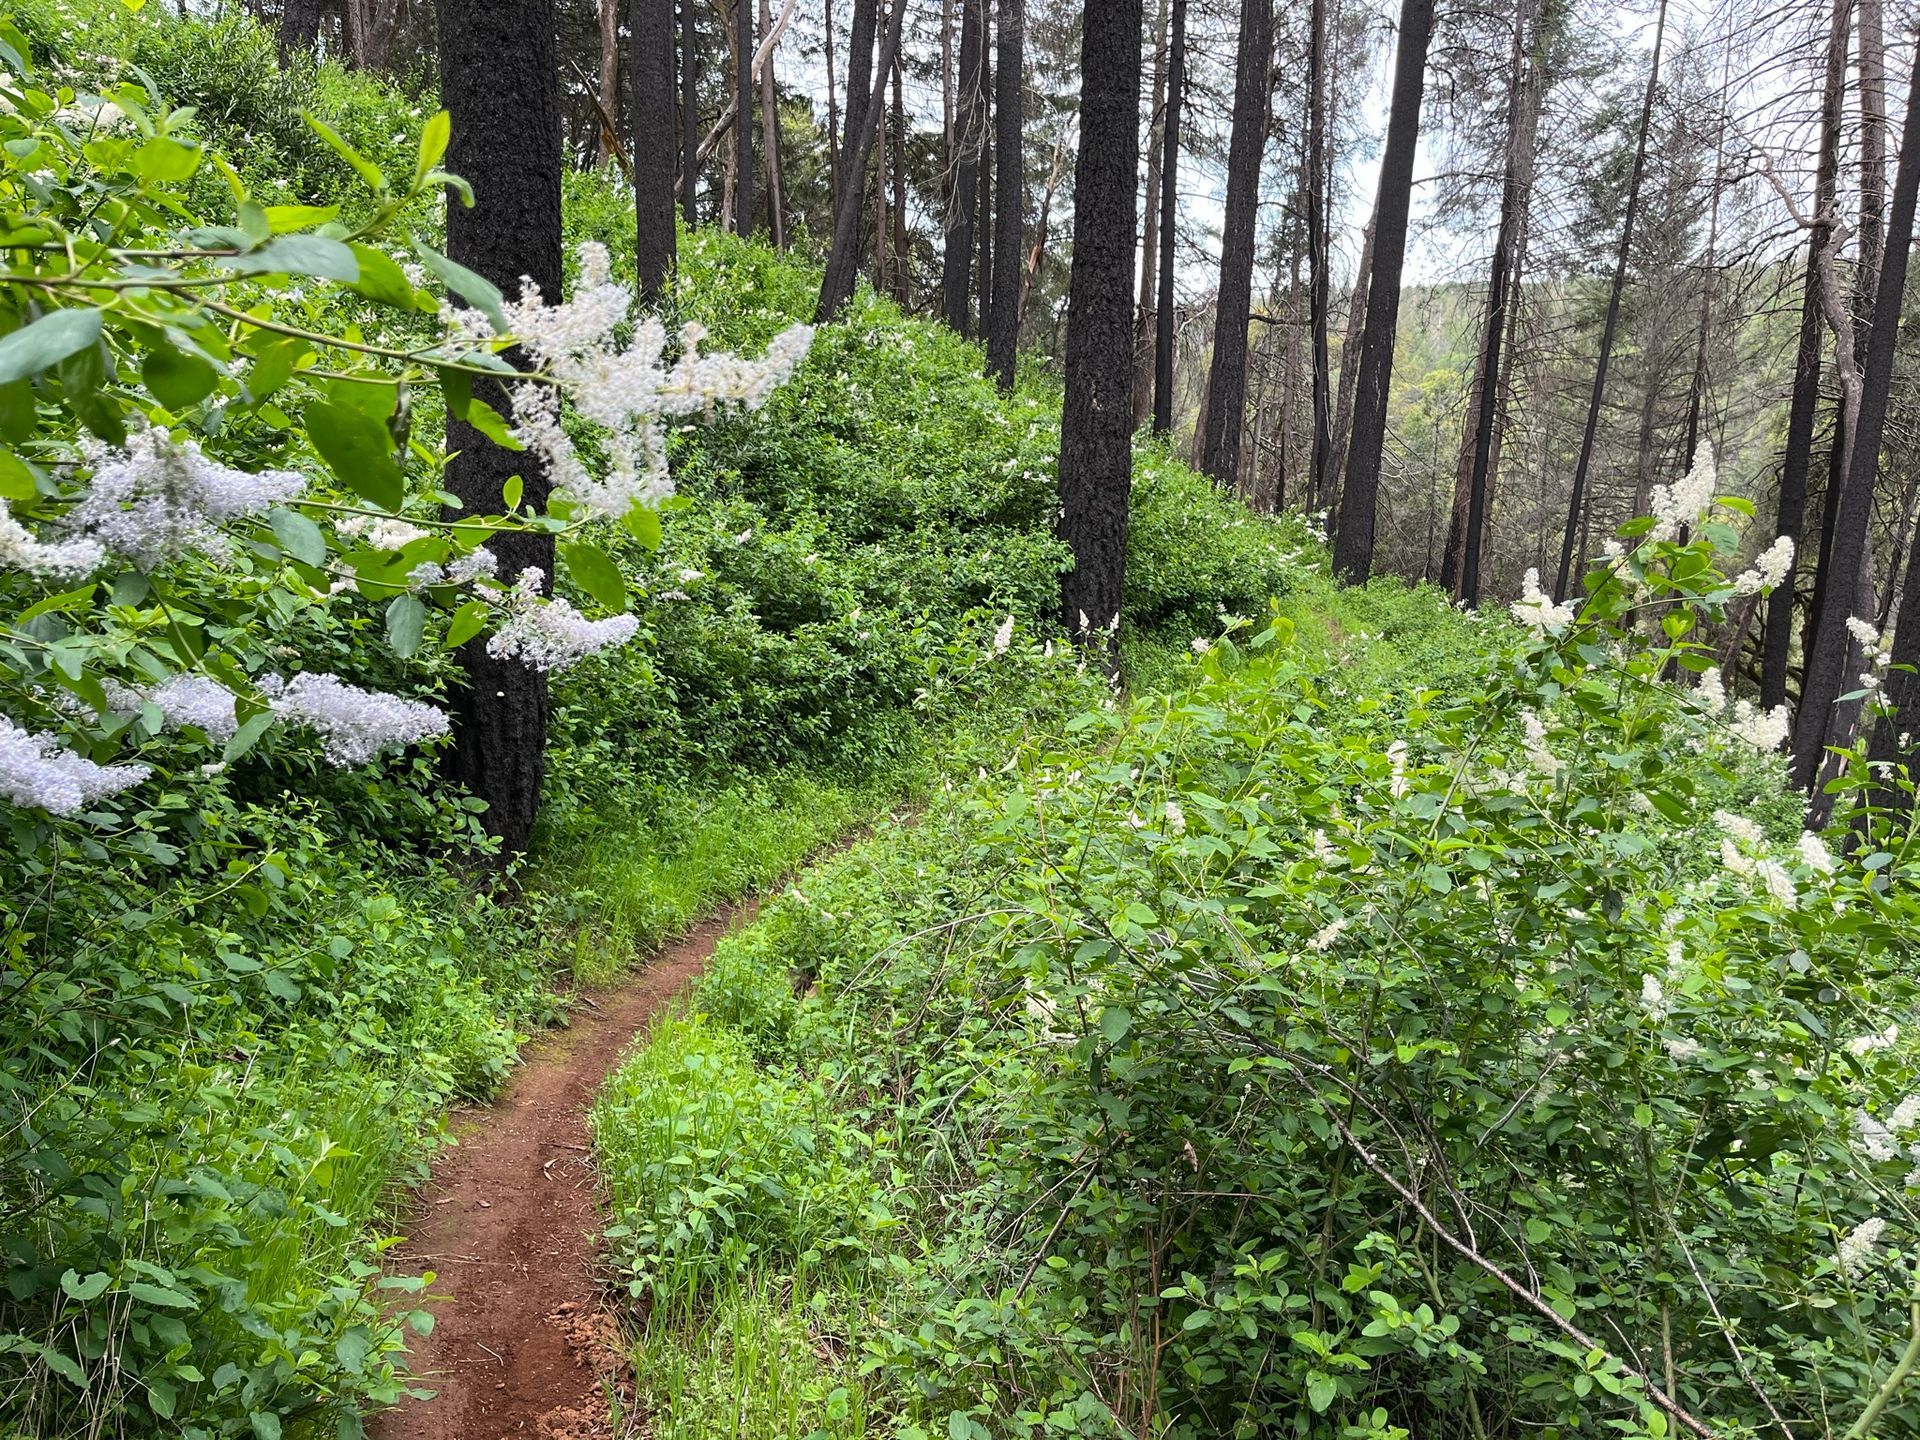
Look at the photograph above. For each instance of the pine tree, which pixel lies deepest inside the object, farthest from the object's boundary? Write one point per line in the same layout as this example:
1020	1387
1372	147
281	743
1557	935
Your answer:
843	260
1096	422
1353	545
956	293
650	73
1226	420
1169	197
689	113
1009	173
500	77
743	197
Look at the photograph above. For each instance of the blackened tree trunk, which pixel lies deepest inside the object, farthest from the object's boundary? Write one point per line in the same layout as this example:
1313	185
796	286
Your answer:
902	259
1096	459
650	79
689	112
1009	199
1318	177
957	264
985	222
1460	566
500	77
743	199
1577	497
1353	547
1143	316
859	84
608	142
1169	196
1832	645
843	260
1226	416
770	137
1349	375
299	28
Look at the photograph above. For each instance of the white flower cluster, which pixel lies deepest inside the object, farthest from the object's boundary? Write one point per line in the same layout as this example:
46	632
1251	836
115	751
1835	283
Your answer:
37	770
1687	499
1397	784
1741	836
186	699
1176	818
551	634
1857	1246
1328	935
1767	571
1535	608
1814	853
1765	730
1876	648
21	549
1543	760
1862	1046
158	498
627	392
1711	692
354	725
381	532
1002	638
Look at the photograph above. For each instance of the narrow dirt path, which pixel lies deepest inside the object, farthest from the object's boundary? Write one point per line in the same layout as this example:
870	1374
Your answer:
523	1347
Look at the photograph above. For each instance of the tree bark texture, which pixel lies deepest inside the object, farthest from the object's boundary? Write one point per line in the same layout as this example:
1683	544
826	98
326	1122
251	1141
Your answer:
1163	317
1143	319
1317	187
1353	546
743	163
843	260
1096	460
1226	414
650	83
689	112
1009	198
500	77
956	268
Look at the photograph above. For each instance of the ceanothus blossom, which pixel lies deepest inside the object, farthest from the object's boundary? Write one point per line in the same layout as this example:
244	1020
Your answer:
1876	1142
381	532
158	499
354	725
1684	501
1814	852
550	634
1765	730
186	699
1711	692
37	770
1535	608
1542	759
21	549
627	392
1857	1247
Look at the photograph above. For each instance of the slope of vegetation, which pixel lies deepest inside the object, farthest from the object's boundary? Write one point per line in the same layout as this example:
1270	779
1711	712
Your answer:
1411	1026
236	1000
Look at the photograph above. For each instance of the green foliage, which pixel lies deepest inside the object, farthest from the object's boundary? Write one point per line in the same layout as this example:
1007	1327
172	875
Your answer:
1167	1035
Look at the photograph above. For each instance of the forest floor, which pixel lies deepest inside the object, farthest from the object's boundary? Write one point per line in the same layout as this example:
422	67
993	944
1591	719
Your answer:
523	1343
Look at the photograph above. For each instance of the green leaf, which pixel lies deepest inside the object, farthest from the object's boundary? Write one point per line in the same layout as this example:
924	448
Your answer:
1115	1022
19	415
298	255
359	451
265	1426
177	379
92	1287
282	218
159	1295
482	294
363	167
62	1365
380	279
468	621
248	735
434	136
406	623
16	478
46	342
487	420
594	572
510	492
1321	1388
165	160
298	535
643	523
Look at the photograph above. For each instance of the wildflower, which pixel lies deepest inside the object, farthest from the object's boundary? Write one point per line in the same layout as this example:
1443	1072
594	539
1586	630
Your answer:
1905	1115
628	392
198	701
551	634
1764	730
1733	860
1739	828
1653	996
1681	1048
1200	644
21	549
1858	1245
1769	570
1862	1046
1868	637
1814	853
1176	818
381	532
1684	501
157	499
1328	935
1323	850
1711	692
354	724
1397	758
480	563
37	770
1535	608
1003	637
1778	882
1876	1143
1543	760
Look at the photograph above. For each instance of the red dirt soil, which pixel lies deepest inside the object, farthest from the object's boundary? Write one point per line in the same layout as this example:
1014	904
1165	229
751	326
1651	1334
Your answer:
522	1345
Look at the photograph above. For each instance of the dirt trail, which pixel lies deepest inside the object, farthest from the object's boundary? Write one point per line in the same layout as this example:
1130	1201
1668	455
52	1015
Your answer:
523	1346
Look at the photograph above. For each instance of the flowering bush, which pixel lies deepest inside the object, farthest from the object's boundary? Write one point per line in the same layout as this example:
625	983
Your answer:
1319	1052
